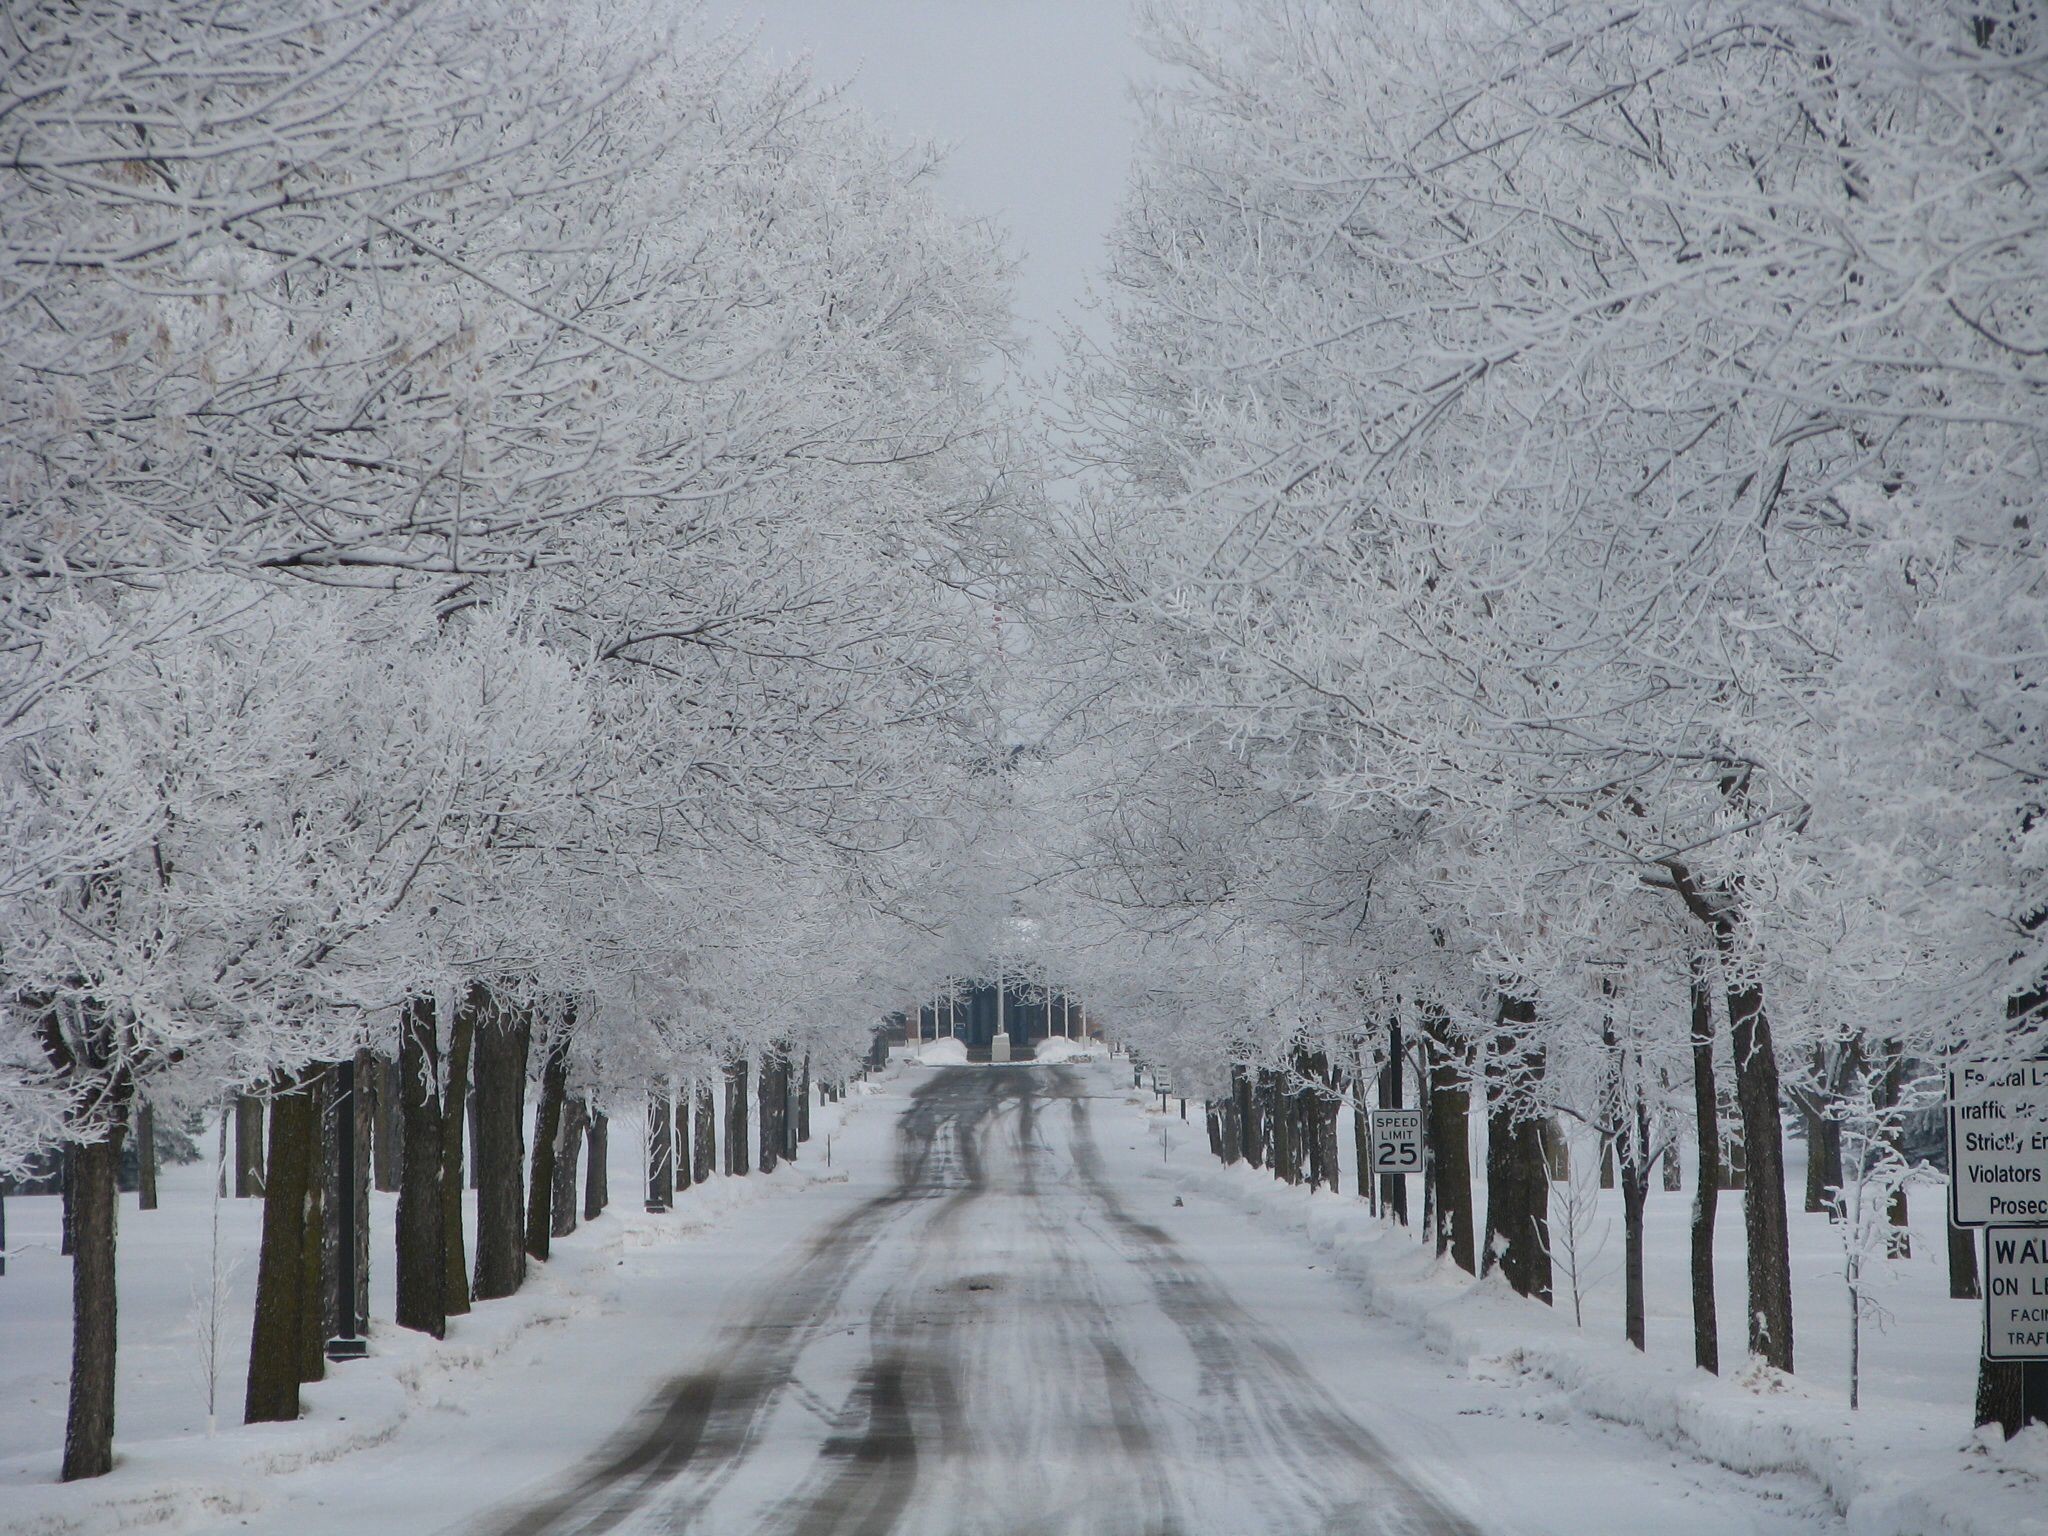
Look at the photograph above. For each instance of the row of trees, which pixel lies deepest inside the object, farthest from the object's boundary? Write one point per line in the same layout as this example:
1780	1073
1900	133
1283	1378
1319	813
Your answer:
1562	601
492	495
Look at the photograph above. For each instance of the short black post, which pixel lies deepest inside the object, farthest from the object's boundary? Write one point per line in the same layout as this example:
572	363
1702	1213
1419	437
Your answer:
347	1344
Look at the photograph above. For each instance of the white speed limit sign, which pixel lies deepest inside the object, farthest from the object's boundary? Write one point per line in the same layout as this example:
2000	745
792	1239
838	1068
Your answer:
1397	1141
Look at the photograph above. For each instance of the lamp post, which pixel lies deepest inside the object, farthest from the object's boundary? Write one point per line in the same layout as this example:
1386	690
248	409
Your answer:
348	1344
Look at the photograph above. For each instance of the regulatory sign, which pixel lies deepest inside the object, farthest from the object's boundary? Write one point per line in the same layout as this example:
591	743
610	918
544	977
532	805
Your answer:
1998	1145
1162	1083
1397	1141
2015	1293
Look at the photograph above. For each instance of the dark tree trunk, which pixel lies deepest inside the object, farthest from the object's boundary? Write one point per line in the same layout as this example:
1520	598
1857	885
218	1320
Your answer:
1706	1104
1887	1087
501	1046
597	1189
273	1394
89	1418
387	1137
685	1165
455	1107
1450	1143
768	1093
547	1130
1361	1120
1251	1125
1734	1163
320	1248
1280	1127
1393	1186
705	1158
145	1156
1763	1200
1962	1263
803	1102
364	1110
422	1265
661	1177
568	1147
1517	1172
2001	1394
736	1138
66	1227
248	1146
1635	1192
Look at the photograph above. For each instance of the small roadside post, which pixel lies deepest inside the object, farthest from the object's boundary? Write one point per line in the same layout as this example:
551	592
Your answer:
1998	1180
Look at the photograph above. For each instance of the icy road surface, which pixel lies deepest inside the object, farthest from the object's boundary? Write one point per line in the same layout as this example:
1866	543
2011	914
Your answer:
1019	1335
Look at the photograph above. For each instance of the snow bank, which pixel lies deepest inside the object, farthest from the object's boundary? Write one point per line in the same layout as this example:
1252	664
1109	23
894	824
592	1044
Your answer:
1057	1048
170	1475
945	1052
1895	1470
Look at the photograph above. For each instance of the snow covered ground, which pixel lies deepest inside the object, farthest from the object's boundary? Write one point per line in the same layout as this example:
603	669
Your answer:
1019	1300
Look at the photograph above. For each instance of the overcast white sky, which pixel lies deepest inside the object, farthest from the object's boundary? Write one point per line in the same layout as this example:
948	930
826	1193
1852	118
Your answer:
1030	94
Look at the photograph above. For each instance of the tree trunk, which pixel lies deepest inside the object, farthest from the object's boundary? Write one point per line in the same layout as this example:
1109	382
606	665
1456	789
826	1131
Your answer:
736	1148
568	1147
1450	1143
387	1137
803	1102
1962	1263
455	1107
145	1156
248	1146
1635	1191
89	1417
1251	1125
2001	1395
705	1154
1517	1172
768	1093
422	1265
1706	1105
500	1047
320	1246
1764	1217
661	1179
1888	1086
365	1111
547	1130
273	1393
597	1189
1393	1186
685	1165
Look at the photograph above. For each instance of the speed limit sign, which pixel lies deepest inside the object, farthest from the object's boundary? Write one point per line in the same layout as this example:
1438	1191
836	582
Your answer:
1397	1141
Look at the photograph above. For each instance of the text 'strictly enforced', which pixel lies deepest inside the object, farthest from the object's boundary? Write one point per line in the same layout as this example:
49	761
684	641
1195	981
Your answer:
1998	1180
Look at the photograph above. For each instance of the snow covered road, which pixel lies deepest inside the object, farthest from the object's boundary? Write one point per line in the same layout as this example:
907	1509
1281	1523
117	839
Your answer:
1000	1341
995	1344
